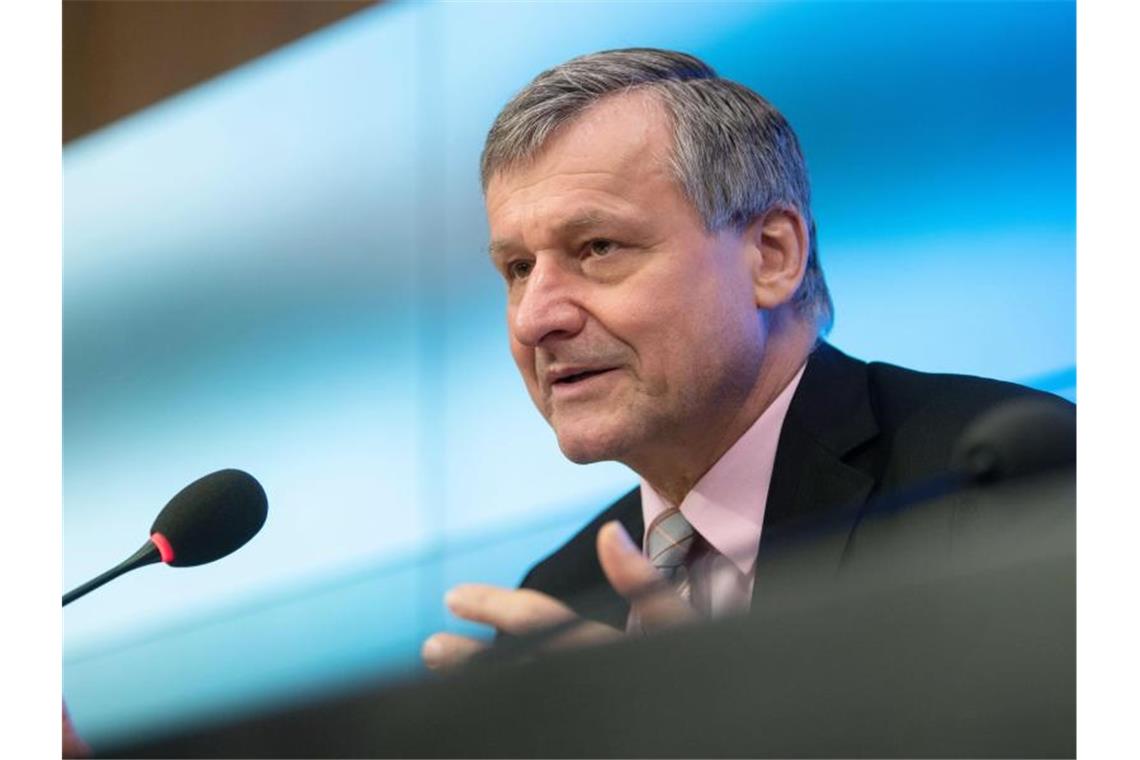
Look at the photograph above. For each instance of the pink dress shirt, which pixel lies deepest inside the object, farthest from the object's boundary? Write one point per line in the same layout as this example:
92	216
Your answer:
726	508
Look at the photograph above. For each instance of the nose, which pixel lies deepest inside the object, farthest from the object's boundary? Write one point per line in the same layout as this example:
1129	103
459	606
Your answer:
548	306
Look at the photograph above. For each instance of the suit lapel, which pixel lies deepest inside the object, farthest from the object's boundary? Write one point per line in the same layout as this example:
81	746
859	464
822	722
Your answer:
816	491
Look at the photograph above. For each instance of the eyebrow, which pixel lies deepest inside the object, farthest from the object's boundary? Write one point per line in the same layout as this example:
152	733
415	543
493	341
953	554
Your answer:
579	221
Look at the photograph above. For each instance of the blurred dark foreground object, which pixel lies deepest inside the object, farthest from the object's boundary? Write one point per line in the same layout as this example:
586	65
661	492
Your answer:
948	630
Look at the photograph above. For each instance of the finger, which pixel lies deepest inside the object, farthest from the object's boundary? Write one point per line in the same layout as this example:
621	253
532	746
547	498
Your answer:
635	578
627	570
447	650
515	611
585	633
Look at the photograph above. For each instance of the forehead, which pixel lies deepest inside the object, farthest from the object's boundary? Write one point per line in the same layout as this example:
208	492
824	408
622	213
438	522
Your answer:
614	154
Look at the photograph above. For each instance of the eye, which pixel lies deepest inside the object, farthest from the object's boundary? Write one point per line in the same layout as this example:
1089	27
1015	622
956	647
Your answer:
601	247
519	269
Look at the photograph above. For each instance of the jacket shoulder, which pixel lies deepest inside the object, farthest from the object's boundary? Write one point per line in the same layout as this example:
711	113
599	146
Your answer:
922	414
898	393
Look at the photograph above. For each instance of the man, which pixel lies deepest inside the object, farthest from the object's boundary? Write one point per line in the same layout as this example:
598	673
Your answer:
652	223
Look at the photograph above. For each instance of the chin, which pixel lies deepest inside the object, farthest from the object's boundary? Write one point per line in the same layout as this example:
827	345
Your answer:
579	455
582	447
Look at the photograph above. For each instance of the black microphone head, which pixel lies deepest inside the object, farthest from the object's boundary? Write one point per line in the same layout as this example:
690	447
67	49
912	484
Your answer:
213	516
1025	436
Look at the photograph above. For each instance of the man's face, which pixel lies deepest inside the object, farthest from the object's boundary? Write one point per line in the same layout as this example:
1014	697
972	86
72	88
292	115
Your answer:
633	328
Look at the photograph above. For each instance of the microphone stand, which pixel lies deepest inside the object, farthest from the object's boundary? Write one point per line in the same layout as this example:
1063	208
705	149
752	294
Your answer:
148	554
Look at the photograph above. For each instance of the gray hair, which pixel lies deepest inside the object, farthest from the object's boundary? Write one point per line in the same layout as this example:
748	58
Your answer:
734	155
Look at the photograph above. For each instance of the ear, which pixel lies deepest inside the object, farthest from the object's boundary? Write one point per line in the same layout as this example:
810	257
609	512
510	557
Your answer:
780	244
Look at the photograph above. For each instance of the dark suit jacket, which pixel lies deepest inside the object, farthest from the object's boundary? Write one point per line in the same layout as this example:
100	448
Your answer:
854	431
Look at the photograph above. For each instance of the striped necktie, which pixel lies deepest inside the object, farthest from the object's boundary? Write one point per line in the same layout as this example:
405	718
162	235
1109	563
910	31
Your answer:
668	544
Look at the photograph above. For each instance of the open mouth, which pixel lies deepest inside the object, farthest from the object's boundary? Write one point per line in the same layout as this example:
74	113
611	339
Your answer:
578	377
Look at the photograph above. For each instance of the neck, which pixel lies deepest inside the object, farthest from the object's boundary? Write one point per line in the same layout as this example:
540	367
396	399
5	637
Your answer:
676	467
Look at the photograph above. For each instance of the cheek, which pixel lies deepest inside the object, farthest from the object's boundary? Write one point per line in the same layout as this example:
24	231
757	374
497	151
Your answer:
690	347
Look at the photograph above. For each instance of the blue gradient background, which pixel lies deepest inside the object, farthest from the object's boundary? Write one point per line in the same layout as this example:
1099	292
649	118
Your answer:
283	270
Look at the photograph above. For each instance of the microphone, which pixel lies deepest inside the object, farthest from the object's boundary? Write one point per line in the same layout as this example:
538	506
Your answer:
1020	438
208	519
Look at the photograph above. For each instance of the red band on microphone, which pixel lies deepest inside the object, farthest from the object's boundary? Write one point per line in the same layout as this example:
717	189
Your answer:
165	550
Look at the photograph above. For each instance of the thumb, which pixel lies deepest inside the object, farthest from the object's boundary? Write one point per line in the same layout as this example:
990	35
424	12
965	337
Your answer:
635	578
